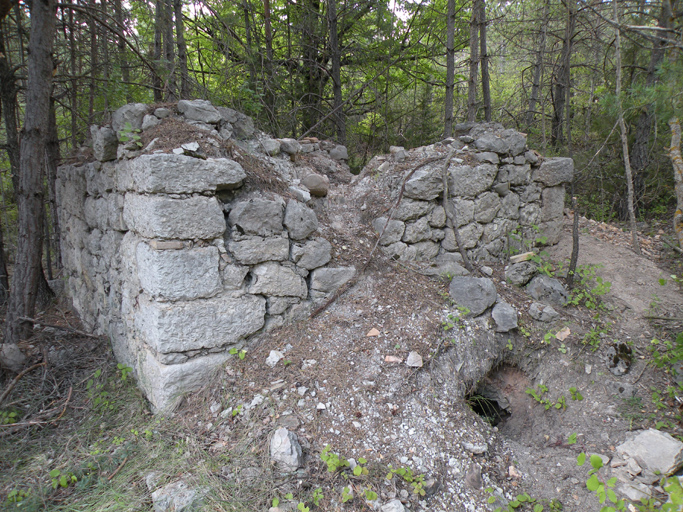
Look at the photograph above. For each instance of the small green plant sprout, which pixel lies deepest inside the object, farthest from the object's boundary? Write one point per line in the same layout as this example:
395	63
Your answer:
359	469
125	370
347	494
240	353
575	393
591	287
60	479
602	489
317	496
572	438
237	410
548	338
334	462
276	502
562	348
289	496
301	507
7	417
520	501
509	344
16	496
416	481
561	403
370	495
129	134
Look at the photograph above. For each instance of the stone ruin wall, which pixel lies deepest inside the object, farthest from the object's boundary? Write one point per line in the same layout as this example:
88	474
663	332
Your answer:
178	261
505	196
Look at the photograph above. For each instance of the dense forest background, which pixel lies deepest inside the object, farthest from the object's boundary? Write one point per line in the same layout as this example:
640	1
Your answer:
366	73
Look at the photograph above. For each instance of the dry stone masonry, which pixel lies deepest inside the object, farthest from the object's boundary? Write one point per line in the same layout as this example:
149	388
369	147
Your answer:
172	257
179	254
505	197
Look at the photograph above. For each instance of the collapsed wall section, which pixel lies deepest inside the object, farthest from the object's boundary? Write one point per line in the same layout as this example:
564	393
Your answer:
177	262
505	197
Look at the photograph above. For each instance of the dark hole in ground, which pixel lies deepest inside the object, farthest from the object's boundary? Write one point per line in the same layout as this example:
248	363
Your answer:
501	400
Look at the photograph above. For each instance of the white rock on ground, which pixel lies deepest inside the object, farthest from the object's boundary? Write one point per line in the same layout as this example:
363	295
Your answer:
654	451
285	450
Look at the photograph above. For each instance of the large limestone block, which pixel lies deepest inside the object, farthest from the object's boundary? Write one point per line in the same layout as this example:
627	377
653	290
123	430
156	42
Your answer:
196	217
325	281
272	279
490	142
300	220
555	171
257	217
393	232
466	181
251	250
553	203
199	110
313	254
547	290
417	231
425	184
104	143
486	207
181	174
410	209
132	113
655	451
164	385
179	275
199	324
475	293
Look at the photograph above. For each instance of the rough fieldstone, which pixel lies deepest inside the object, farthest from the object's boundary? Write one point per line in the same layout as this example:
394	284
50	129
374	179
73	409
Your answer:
233	276
543	313
531	157
165	217
317	184
551	230
164	385
547	289
162	113
199	110
505	317
300	194
438	217
655	451
257	217
530	193
553	203
510	206
393	232
104	143
491	142
270	146
515	140
487	157
285	450
425	184
132	113
470	235
177	497
417	231
178	174
278	305
325	281
393	506
486	207
273	279
521	273
555	171
464	211
395	251
475	293
411	209
312	254
339	153
530	215
198	324
466	181
300	220
290	146
251	250
518	174
426	250
179	275
150	121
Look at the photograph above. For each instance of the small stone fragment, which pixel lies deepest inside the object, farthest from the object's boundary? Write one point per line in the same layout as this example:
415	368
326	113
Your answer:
473	478
393	506
414	360
505	317
392	359
274	357
476	449
285	450
372	333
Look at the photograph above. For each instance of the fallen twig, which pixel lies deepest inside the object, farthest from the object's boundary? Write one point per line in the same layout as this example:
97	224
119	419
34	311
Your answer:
42	418
11	385
60	327
117	470
669	318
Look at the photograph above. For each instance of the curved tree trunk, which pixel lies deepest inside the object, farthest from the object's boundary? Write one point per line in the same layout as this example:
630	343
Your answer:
28	270
677	162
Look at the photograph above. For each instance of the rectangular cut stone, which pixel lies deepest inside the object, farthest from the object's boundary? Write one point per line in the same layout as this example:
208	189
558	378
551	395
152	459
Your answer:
198	324
196	217
179	274
165	245
177	174
164	385
553	203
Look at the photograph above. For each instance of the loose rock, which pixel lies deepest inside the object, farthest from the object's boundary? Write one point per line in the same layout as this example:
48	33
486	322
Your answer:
285	450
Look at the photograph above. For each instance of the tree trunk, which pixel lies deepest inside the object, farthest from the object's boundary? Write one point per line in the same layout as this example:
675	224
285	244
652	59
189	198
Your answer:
538	67
157	85
474	65
8	100
450	69
94	65
624	136
268	64
335	54
677	162
169	54
121	45
27	269
562	81
485	86
182	50
52	160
